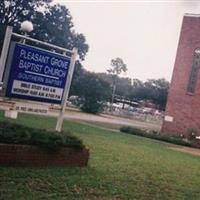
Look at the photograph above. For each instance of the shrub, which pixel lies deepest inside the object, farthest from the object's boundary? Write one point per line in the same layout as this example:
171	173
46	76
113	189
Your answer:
157	136
94	93
91	106
131	130
11	133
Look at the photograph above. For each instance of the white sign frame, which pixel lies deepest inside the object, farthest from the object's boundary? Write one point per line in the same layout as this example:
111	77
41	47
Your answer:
5	50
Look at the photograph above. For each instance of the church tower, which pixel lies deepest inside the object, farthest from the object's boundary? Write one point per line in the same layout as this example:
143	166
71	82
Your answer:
182	115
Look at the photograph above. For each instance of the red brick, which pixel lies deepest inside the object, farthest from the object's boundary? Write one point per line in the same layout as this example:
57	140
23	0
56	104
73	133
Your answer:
183	107
31	156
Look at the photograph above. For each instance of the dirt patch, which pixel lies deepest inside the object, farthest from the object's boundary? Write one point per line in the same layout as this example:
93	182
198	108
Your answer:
189	150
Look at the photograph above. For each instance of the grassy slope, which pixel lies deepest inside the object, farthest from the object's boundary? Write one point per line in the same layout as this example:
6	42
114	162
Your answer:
121	166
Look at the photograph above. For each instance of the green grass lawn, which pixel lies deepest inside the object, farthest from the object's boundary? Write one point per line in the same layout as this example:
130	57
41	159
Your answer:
121	166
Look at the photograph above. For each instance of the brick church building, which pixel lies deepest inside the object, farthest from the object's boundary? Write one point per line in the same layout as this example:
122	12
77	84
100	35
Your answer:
182	114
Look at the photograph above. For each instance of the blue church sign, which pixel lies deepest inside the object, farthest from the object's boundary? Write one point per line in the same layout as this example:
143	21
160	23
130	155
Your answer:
36	74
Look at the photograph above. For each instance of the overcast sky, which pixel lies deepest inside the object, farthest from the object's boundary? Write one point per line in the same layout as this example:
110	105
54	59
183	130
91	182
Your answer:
144	34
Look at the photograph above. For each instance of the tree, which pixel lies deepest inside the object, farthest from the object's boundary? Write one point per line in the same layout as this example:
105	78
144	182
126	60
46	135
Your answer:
78	77
155	90
55	25
123	85
12	12
52	23
94	93
117	67
138	91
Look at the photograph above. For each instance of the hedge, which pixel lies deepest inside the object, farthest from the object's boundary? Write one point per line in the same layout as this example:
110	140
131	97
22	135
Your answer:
11	133
157	136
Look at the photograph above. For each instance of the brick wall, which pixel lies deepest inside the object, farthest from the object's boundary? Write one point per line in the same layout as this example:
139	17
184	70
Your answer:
183	108
32	156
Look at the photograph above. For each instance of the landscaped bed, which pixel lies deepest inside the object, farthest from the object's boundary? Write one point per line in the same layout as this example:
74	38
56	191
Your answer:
29	147
162	137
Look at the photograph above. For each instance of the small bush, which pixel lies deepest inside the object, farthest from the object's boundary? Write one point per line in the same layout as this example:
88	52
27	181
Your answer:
131	130
91	106
157	136
18	134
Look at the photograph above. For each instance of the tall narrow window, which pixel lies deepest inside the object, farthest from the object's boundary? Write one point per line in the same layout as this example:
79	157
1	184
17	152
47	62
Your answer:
194	71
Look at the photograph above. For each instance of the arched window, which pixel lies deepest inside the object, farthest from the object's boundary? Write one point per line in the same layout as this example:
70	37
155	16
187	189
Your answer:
194	71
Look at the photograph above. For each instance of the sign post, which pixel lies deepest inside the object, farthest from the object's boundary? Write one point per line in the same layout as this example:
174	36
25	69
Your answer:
4	53
66	91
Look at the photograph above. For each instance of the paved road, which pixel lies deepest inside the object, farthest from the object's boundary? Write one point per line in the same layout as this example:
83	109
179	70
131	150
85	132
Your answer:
108	119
